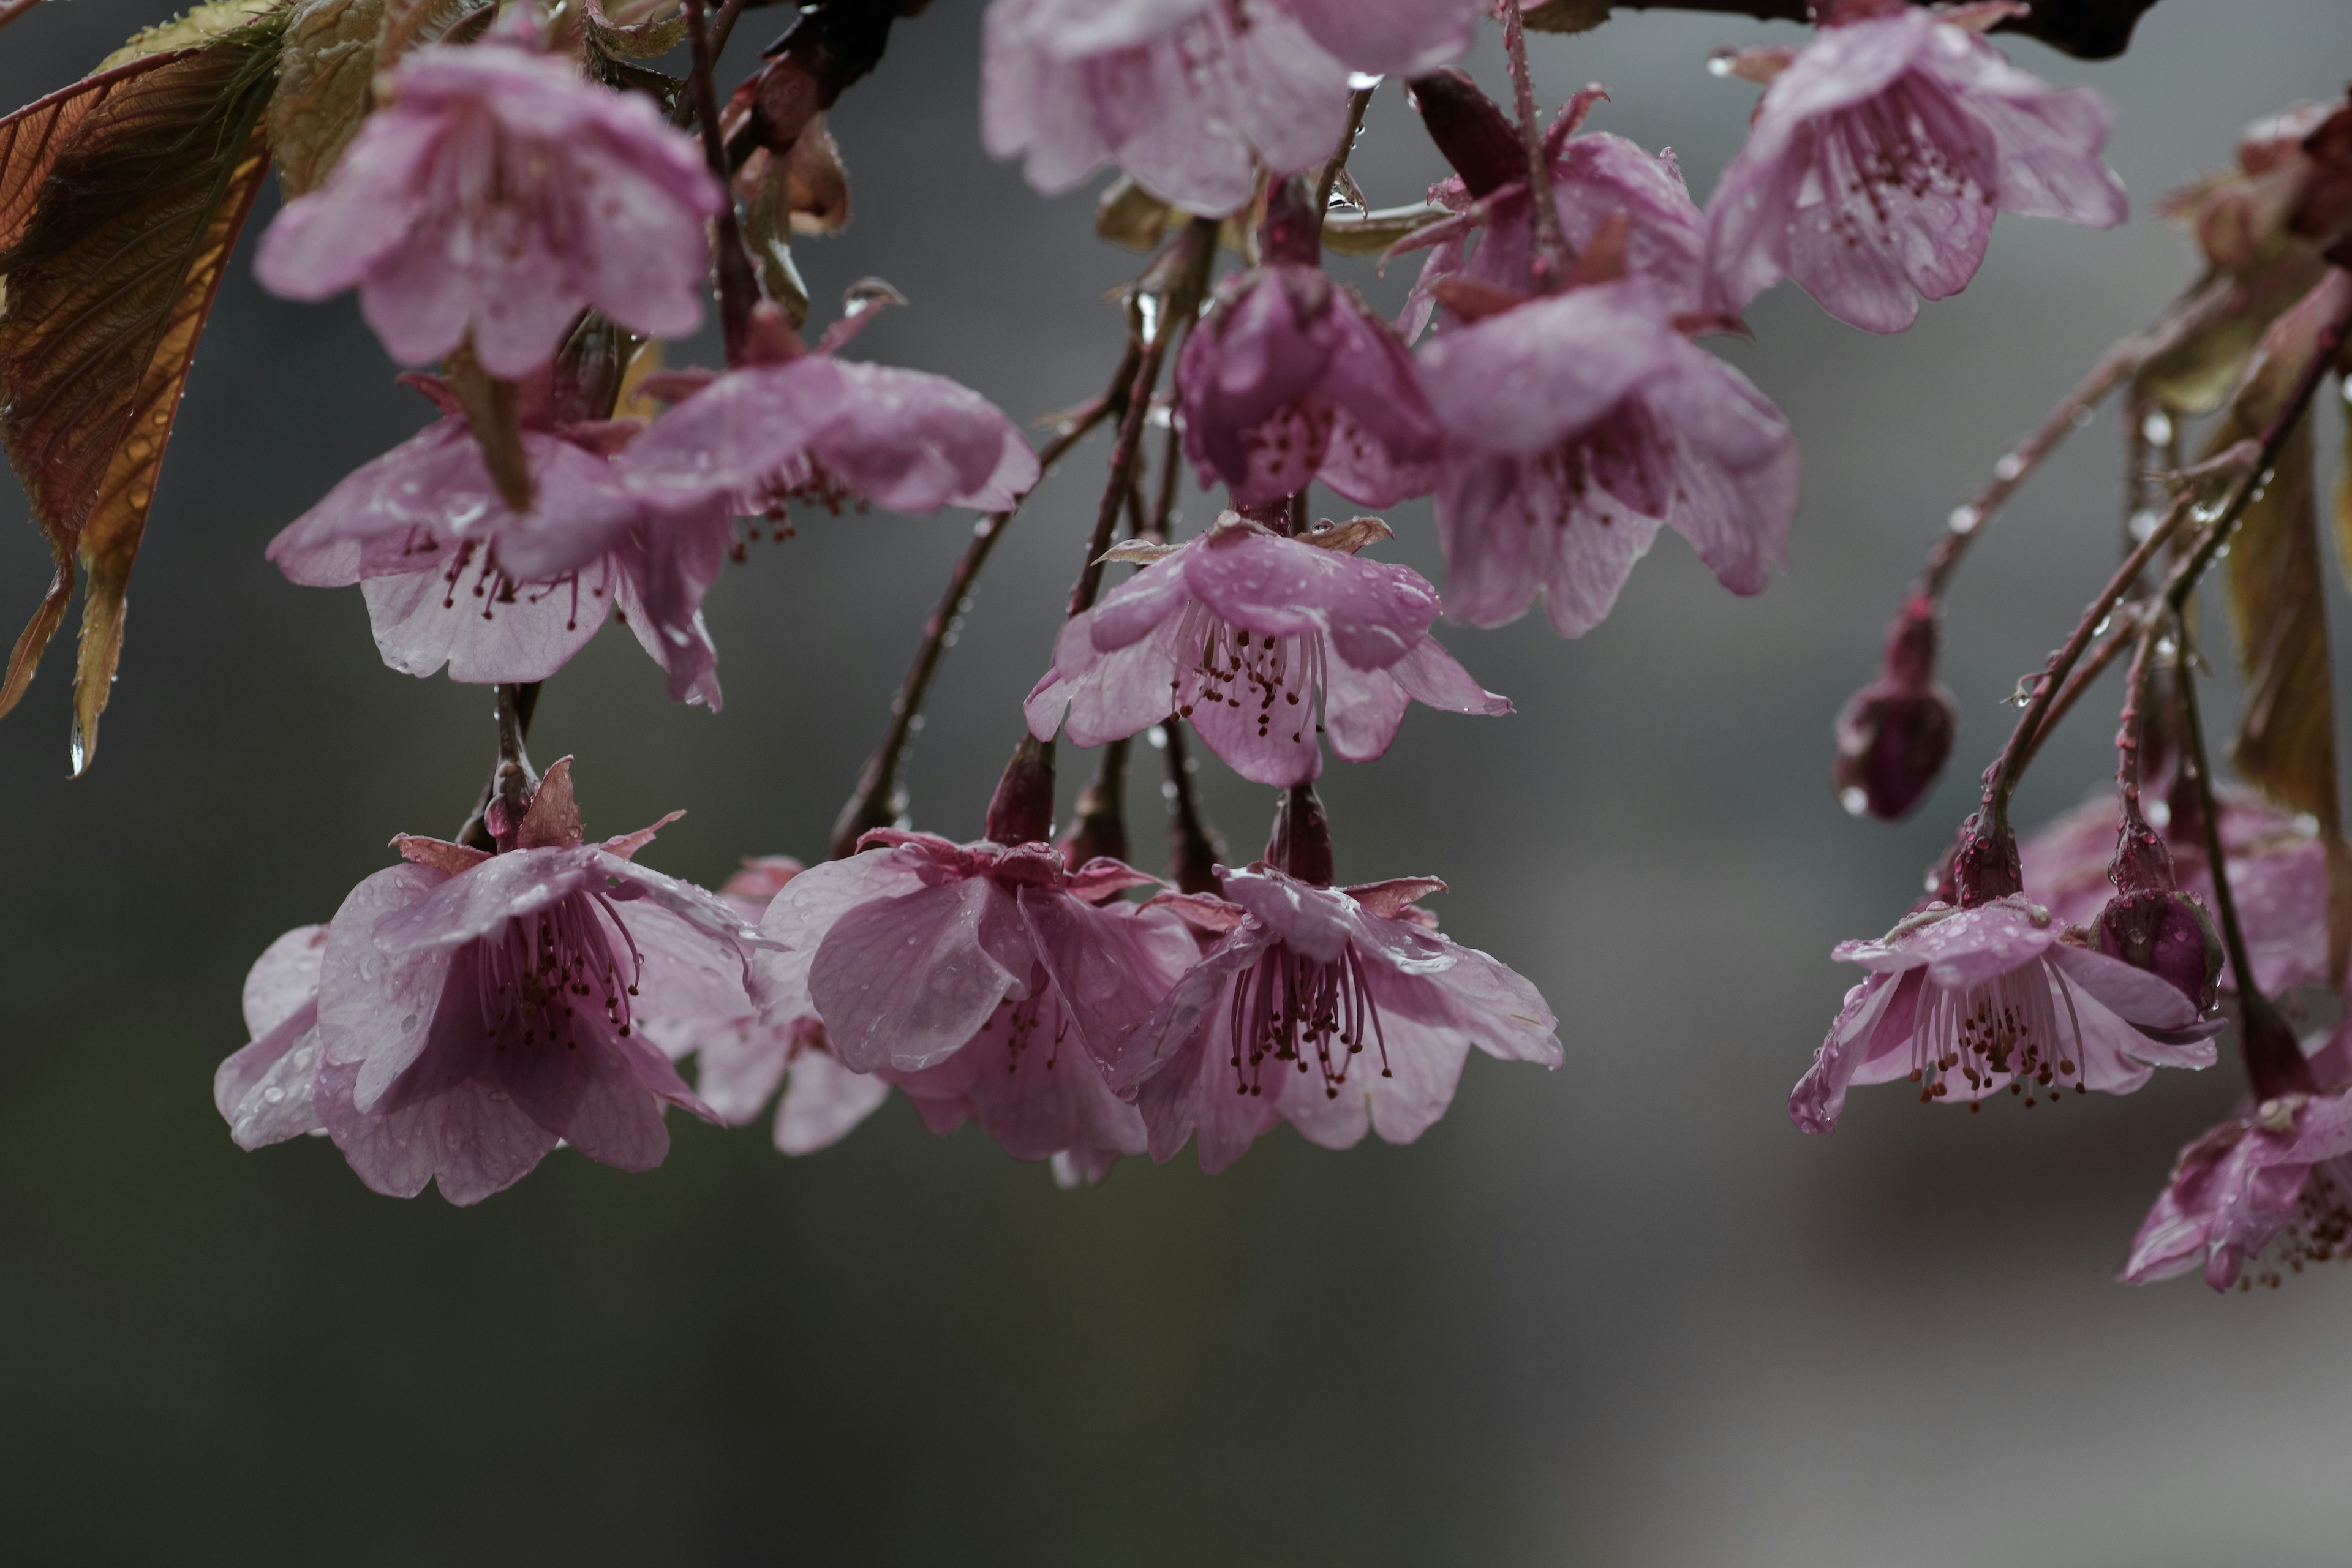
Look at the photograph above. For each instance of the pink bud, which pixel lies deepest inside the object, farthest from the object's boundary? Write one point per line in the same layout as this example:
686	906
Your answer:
2167	934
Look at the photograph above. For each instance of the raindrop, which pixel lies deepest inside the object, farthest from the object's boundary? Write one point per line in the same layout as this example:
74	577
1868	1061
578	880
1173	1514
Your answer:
272	1095
1855	799
1363	81
2157	428
2008	468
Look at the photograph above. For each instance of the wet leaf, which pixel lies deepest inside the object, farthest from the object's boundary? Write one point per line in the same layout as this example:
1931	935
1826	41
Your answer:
323	87
1370	233
1130	215
2287	738
192	29
634	29
32	138
108	287
411	23
1566	16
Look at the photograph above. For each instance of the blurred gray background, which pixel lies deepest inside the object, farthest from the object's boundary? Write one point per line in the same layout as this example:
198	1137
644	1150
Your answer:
1619	1314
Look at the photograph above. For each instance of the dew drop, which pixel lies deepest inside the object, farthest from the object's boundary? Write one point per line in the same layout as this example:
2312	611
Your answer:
272	1095
1855	800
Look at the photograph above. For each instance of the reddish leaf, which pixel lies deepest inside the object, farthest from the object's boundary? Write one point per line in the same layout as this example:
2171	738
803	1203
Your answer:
109	285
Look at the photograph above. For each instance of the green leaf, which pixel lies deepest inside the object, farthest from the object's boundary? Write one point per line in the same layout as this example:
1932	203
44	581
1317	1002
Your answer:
411	23
192	29
2286	739
110	284
324	79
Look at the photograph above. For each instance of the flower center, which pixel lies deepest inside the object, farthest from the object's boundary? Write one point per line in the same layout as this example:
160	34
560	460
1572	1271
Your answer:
2321	1231
1904	140
1291	1008
536	980
2007	1028
1237	668
490	584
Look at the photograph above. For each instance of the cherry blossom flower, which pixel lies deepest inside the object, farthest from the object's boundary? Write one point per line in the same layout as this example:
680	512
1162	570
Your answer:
1575	426
1605	189
2279	1170
473	1009
264	1091
1339	1010
742	1057
1967	1002
1247	634
492	196
987	980
1880	154
1190	96
1291	378
2278	875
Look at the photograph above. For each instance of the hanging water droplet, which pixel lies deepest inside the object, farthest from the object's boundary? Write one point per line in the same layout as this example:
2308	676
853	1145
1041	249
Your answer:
1363	81
2157	428
1855	799
1964	519
2008	468
1723	62
1157	737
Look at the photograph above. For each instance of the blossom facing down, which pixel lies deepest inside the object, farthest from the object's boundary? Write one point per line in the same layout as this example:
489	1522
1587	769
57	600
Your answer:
1967	1002
1576	425
1247	634
1291	379
1895	736
742	1057
1187	95
494	196
1339	1010
2277	1171
1878	157
989	981
474	1009
2278	875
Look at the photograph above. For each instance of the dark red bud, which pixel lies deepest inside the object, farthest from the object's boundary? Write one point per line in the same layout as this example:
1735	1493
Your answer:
2167	934
1022	810
2273	1057
1895	736
1893	743
1292	232
1301	845
1471	129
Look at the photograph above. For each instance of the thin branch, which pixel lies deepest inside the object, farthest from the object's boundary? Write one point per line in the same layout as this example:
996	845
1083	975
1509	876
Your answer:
2086	674
1550	260
512	780
739	289
874	805
1357	102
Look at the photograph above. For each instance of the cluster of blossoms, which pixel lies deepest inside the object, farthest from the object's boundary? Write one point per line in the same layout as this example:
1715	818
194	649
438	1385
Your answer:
527	209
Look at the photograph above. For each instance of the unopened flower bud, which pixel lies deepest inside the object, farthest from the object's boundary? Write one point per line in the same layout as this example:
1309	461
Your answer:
1301	844
1477	137
1896	735
1022	809
2167	934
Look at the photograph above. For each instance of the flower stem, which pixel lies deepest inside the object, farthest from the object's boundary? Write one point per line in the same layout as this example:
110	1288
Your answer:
1194	255
1194	851
739	287
2187	314
875	802
2086	674
1550	260
2000	779
512	781
1357	102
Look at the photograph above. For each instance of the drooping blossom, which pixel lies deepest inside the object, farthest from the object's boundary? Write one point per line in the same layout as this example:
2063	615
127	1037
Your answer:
2279	1169
1878	157
264	1091
1339	1010
988	980
740	1056
1965	1003
492	196
1249	635
1605	189
451	575
1291	378
2278	876
473	1009
1576	425
1191	96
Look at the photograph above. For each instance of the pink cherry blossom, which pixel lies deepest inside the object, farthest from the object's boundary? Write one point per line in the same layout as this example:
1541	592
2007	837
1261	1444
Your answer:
1247	634
988	980
1575	426
1187	95
1597	180
740	1056
492	196
1878	160
264	1091
1967	1002
2278	1172
1339	1010
2278	875
1290	379
466	1011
